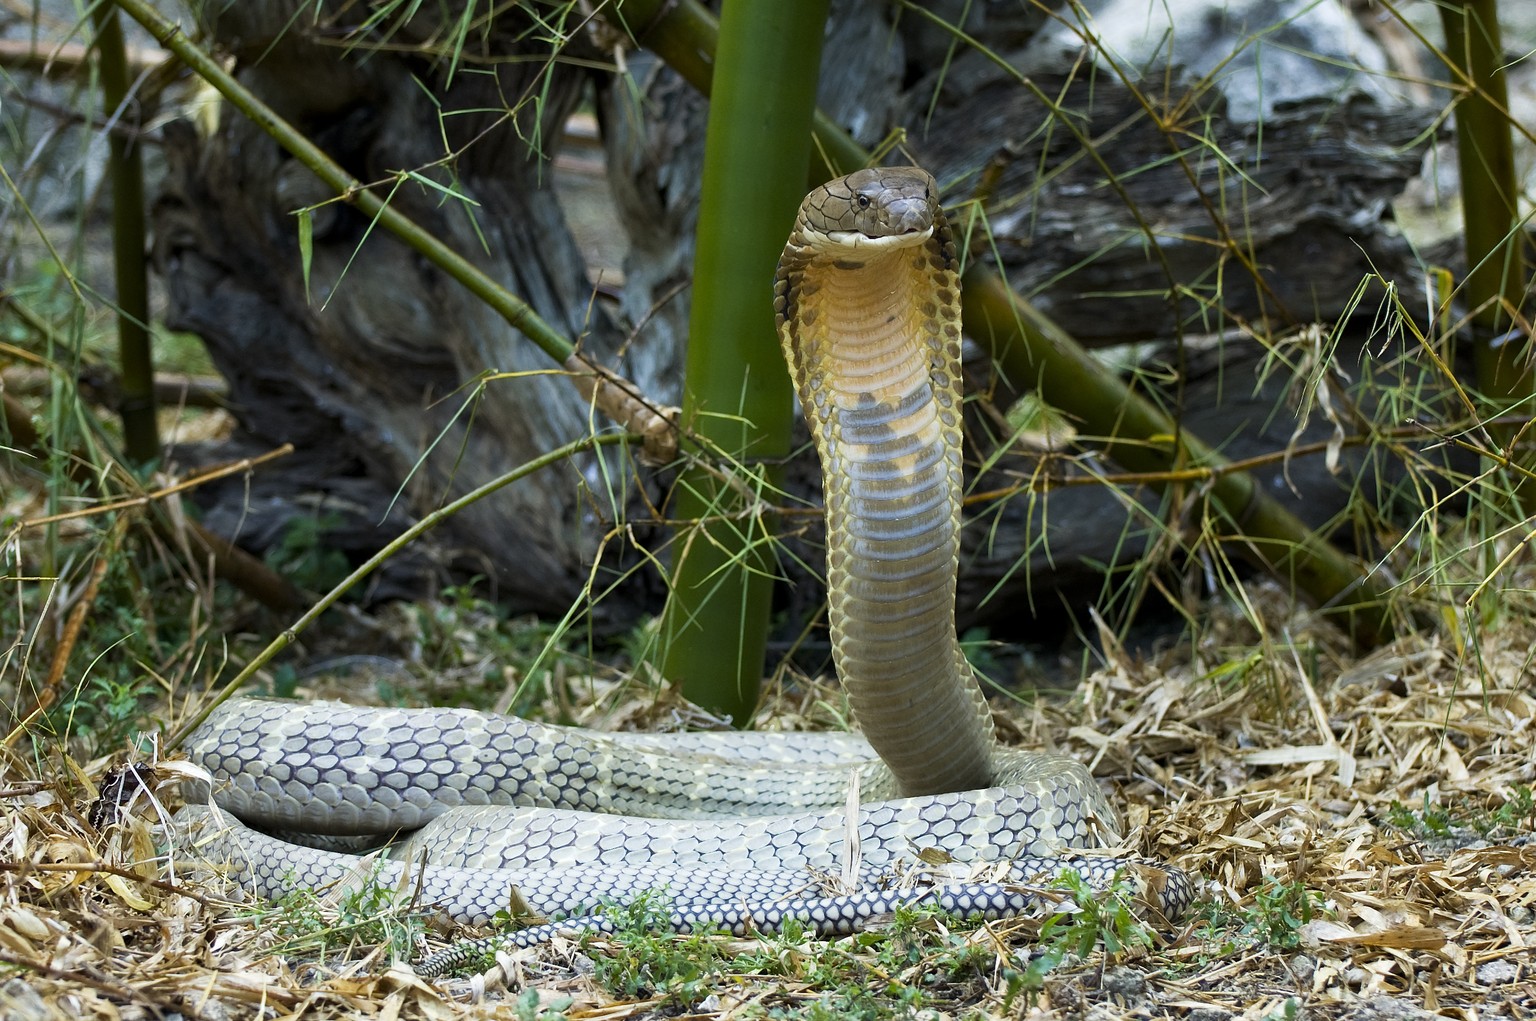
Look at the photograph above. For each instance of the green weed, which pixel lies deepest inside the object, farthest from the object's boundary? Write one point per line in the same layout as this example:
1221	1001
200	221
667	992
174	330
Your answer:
530	1007
924	958
302	556
1289	1010
1275	917
645	959
928	959
372	915
1516	814
122	657
1097	918
466	638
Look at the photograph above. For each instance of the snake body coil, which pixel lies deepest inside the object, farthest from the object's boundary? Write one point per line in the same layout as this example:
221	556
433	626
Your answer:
867	300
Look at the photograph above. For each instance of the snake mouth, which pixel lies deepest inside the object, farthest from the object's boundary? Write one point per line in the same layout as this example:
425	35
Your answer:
860	241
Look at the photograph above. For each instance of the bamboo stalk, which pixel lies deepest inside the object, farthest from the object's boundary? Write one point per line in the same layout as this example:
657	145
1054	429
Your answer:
1490	191
736	394
136	406
1491	233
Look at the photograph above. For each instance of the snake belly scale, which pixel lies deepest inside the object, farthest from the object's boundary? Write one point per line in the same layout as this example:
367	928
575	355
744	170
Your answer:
733	828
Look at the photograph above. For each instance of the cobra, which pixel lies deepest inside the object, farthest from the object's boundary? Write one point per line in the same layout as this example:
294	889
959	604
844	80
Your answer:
733	828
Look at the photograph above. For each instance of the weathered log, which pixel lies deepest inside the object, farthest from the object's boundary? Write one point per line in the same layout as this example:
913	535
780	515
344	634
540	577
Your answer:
369	366
1303	198
363	378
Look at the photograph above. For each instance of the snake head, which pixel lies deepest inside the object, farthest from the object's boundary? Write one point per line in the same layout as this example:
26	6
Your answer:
879	208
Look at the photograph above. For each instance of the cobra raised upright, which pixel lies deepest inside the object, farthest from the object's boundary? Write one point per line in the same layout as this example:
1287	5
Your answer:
868	306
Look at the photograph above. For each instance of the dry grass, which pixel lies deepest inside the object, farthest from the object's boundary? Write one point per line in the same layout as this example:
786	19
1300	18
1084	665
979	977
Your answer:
1267	768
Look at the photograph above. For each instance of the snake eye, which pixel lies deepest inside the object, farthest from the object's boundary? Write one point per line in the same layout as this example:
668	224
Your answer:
863	201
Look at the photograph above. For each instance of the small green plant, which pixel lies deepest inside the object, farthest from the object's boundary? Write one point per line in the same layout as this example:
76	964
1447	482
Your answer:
1429	821
373	914
119	663
927	958
1289	1010
1107	918
1097	918
1280	910
109	707
1518	813
530	1007
302	556
470	645
922	960
894	971
1515	814
644	958
1275	917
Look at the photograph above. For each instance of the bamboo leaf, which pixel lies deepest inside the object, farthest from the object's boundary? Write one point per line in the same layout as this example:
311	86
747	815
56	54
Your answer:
306	246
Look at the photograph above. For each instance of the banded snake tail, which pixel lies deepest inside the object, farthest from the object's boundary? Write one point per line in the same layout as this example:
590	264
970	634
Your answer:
733	827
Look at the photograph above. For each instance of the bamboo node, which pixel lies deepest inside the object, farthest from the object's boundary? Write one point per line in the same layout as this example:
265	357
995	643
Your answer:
620	400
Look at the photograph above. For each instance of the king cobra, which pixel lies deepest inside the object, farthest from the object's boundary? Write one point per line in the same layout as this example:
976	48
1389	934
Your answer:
867	301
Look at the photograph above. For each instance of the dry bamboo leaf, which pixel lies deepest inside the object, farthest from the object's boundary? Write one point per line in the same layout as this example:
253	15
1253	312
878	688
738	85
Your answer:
127	892
1291	755
1401	937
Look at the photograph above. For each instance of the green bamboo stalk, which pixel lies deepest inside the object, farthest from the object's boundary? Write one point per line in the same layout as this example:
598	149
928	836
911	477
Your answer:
736	395
136	407
1485	157
1033	350
1496	273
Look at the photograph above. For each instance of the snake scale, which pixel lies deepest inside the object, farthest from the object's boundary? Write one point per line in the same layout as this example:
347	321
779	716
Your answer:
733	829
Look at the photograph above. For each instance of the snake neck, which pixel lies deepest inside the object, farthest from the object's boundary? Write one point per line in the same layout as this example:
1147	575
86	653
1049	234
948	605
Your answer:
874	347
